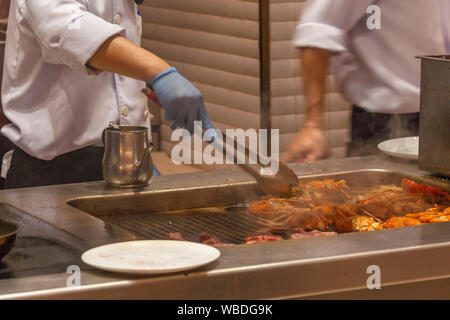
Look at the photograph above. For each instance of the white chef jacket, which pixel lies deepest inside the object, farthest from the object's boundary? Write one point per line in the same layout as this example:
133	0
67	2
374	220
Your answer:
376	69
55	103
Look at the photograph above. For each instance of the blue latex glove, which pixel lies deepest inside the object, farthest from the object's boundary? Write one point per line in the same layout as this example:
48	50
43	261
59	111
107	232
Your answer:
182	101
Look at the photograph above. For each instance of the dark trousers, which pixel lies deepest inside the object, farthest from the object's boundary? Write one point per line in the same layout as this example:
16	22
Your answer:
5	146
82	165
369	129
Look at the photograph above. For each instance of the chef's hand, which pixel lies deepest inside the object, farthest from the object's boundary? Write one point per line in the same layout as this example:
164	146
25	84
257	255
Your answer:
308	145
183	103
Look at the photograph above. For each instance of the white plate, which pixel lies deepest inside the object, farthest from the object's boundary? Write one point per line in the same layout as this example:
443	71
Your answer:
404	148
150	256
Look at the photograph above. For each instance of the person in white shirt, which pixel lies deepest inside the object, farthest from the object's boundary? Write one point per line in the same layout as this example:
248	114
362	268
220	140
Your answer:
375	67
72	67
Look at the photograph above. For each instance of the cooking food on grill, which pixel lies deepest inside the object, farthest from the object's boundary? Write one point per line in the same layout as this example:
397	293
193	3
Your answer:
204	238
309	219
261	239
301	233
272	207
281	230
391	201
400	222
343	218
433	193
330	205
347	220
320	192
432	215
174	236
362	223
326	208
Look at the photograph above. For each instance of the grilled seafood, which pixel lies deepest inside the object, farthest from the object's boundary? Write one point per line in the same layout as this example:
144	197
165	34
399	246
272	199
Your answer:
432	215
308	219
362	224
261	239
272	207
435	194
400	222
321	205
343	218
327	211
320	192
443	218
284	212
301	233
350	222
204	238
391	201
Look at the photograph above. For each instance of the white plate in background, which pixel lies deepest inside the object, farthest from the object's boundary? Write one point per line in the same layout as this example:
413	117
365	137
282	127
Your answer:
404	148
150	256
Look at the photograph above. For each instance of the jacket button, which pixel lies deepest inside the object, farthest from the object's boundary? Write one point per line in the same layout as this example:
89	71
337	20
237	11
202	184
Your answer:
117	18
125	111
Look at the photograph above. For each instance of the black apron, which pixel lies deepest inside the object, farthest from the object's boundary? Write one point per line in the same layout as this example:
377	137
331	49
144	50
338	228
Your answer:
369	129
83	165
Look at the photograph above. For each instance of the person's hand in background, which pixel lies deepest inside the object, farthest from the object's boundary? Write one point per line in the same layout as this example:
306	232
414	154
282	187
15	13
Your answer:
308	145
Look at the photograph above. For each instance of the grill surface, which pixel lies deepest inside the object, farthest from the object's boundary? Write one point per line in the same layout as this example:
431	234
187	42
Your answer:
230	225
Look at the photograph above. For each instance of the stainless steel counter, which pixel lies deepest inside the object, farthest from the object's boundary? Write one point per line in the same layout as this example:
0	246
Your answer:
414	261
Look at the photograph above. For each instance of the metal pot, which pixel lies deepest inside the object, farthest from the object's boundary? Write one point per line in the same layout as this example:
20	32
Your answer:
127	161
434	142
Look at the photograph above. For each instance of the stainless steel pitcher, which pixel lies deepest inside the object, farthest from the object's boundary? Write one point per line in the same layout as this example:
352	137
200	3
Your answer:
127	161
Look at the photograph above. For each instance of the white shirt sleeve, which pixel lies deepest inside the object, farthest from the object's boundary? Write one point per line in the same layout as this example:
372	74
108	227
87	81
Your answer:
66	32
324	23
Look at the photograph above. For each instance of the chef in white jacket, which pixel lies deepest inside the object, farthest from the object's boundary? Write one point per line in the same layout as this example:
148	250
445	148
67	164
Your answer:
72	67
371	47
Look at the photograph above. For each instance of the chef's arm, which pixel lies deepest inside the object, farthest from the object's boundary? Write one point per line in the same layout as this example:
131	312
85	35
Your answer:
121	56
314	63
309	144
182	102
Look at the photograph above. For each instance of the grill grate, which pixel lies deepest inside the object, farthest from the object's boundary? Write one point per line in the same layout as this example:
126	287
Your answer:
230	225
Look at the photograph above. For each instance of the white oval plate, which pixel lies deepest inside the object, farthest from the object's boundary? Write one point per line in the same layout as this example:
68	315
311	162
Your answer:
150	256
404	148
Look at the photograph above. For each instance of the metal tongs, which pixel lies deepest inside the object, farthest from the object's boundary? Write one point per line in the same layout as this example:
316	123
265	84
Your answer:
278	185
